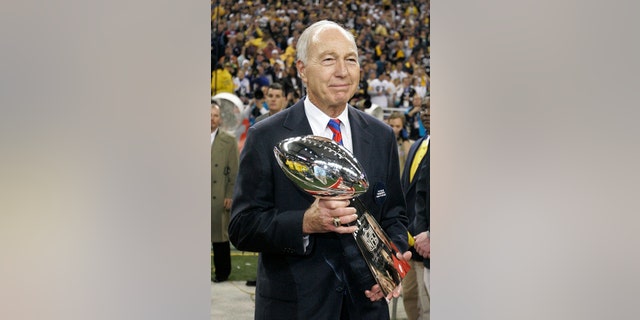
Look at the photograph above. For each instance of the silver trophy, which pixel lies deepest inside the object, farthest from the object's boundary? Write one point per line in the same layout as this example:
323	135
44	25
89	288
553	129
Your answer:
323	168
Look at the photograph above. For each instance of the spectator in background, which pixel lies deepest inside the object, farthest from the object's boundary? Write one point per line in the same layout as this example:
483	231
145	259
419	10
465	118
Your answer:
293	86
242	86
414	124
397	71
258	59
415	182
409	65
381	64
278	72
397	53
422	58
416	83
255	41
221	80
424	80
380	48
276	101
397	122
261	77
289	54
404	93
389	88
377	90
224	168
275	58
257	107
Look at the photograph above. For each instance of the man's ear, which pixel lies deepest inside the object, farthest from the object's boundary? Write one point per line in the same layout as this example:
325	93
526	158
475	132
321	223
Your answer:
301	68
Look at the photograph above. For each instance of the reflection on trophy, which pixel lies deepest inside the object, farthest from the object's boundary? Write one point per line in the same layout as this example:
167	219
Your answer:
323	168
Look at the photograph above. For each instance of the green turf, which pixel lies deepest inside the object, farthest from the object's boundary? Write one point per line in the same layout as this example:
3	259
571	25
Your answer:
243	266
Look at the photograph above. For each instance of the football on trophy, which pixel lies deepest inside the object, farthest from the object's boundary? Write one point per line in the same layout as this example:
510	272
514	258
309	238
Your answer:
321	167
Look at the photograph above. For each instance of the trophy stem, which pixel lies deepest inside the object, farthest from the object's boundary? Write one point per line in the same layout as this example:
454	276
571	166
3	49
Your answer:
378	250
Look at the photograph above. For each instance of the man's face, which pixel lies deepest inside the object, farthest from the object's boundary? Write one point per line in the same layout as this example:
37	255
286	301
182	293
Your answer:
417	100
215	117
332	70
425	116
275	100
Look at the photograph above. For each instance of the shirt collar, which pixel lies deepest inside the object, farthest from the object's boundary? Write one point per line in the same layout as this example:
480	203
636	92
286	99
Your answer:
318	120
213	135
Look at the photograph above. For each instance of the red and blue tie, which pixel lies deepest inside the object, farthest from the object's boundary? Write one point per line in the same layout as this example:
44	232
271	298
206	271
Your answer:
334	126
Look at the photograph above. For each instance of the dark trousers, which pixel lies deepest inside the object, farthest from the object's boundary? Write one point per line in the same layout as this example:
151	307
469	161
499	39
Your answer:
222	259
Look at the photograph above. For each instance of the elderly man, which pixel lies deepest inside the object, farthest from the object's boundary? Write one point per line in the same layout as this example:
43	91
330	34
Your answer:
310	266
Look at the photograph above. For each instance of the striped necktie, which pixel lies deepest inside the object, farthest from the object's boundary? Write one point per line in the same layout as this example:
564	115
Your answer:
334	126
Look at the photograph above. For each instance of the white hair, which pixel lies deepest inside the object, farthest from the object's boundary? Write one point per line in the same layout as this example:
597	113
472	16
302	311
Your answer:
310	35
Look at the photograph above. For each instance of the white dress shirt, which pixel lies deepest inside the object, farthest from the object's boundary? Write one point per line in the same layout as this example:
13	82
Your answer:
318	121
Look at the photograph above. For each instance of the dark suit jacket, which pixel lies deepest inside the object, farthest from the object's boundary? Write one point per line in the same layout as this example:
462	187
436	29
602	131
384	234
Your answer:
422	221
267	216
410	189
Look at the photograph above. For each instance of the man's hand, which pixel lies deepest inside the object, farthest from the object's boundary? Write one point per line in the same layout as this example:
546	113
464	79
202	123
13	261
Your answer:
323	215
423	244
376	294
227	203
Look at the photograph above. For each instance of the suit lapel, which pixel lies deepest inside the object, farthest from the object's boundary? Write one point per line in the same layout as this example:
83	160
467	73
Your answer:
296	120
296	123
361	137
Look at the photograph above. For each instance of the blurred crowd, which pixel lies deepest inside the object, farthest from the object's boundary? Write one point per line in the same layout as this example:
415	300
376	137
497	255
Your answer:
253	46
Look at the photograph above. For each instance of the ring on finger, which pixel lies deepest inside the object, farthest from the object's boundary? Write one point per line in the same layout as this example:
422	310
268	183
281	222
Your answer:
336	222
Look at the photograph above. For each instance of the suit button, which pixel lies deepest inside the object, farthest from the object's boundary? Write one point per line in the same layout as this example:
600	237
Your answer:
339	289
215	165
214	181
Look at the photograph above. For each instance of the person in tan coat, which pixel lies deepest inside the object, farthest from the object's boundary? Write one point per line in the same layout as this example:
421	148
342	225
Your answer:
224	168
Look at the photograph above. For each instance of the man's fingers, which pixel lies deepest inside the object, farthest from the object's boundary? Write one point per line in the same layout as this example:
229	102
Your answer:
333	204
374	295
346	229
340	224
